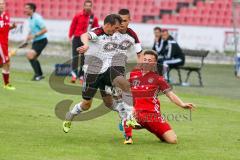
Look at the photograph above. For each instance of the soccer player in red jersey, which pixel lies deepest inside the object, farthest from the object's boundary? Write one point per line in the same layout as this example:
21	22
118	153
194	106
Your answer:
5	27
146	84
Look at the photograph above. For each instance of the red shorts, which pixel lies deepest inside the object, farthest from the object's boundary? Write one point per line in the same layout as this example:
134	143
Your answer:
4	58
152	121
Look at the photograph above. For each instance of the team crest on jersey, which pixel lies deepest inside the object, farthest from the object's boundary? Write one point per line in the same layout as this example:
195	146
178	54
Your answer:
110	46
136	82
150	80
125	45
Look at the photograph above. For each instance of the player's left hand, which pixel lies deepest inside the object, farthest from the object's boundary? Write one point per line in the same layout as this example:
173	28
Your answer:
189	106
82	49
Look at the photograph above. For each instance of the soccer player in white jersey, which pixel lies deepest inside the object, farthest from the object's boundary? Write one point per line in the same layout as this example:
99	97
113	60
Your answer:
130	37
104	66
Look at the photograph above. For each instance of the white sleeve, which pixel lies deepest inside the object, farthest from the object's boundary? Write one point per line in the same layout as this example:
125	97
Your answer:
137	47
92	36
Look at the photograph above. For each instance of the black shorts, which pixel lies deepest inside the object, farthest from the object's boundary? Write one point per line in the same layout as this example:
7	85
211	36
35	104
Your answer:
39	45
93	82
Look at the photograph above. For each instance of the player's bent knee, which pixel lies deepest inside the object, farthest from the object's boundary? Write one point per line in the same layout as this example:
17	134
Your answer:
122	83
86	105
6	66
170	137
31	54
108	102
172	140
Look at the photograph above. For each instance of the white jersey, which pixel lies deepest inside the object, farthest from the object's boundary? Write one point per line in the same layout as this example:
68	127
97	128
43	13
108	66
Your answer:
109	50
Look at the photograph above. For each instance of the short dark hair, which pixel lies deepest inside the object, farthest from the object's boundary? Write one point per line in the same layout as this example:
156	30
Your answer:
151	52
165	30
87	1
112	19
124	11
157	28
32	6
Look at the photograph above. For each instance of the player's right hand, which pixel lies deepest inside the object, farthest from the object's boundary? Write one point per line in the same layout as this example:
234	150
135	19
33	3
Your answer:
82	49
189	106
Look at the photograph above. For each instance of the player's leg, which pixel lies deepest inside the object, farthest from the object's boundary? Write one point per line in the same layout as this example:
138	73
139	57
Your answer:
89	90
107	100
127	133
127	100
32	56
82	59
75	58
5	73
5	64
128	130
6	76
156	124
170	137
84	105
81	72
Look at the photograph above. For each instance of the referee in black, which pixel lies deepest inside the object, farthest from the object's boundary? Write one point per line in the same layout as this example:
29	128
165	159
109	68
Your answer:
38	36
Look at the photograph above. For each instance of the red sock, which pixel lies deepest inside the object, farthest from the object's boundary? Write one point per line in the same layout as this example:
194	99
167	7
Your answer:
5	78
127	130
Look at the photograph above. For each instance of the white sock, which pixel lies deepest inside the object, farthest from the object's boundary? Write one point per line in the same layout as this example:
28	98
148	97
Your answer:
74	74
77	109
124	110
127	98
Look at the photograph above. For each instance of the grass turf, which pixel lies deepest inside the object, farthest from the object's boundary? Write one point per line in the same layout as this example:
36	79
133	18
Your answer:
31	131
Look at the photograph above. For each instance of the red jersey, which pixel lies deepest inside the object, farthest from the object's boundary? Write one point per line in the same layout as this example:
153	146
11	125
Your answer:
145	90
80	24
4	28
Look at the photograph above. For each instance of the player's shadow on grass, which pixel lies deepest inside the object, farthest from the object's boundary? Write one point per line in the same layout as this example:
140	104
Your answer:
57	84
63	107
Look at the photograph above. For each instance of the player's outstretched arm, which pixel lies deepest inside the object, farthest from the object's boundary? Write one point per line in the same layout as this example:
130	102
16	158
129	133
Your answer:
85	40
140	57
139	60
175	99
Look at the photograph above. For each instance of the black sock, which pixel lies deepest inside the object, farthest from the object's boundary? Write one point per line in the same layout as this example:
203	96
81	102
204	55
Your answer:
39	69
34	66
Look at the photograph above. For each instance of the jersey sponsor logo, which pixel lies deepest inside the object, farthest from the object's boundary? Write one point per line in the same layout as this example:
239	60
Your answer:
110	46
150	80
136	83
125	45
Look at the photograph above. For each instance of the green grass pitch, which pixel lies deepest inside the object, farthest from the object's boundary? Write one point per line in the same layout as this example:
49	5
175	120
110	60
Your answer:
29	129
